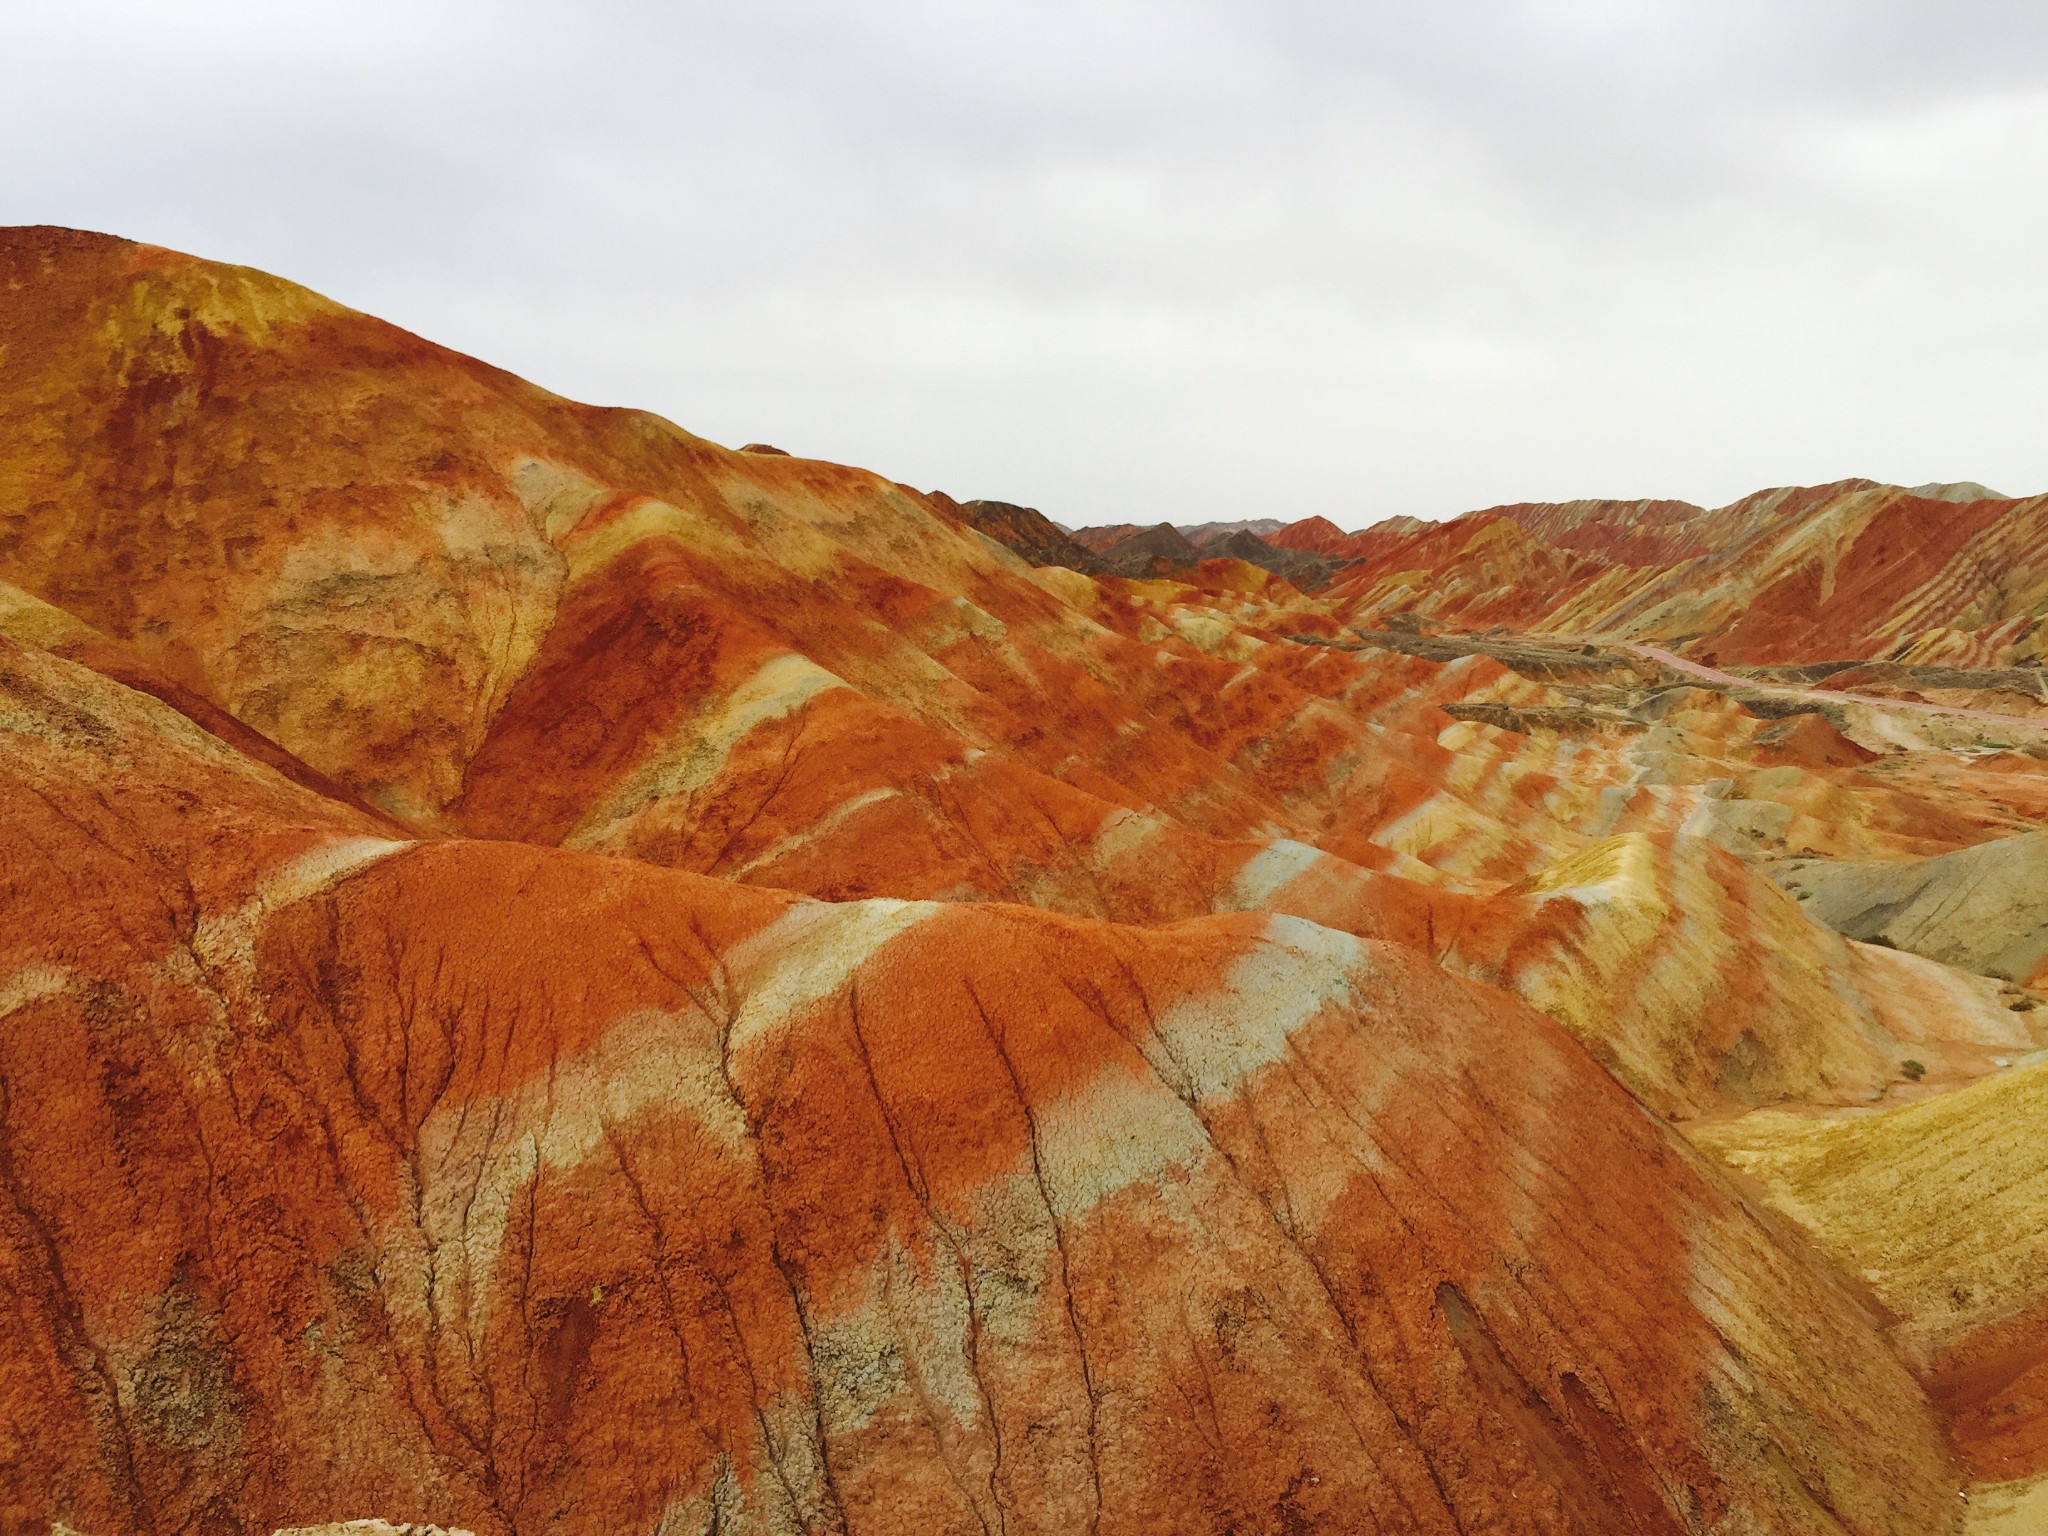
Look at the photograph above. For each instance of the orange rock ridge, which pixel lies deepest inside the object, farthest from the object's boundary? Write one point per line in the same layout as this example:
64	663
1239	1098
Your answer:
1851	570
561	977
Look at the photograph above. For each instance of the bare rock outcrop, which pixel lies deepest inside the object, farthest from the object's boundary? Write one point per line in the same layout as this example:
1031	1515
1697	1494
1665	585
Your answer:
556	976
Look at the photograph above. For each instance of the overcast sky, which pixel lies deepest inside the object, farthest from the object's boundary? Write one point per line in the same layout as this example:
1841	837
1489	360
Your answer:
1127	260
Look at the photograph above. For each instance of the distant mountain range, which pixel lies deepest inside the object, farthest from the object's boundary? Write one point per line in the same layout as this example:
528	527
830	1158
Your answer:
1949	574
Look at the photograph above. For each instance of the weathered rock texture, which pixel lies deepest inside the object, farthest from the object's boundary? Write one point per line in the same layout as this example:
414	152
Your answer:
1941	1208
1979	909
477	1180
555	976
1024	529
1809	573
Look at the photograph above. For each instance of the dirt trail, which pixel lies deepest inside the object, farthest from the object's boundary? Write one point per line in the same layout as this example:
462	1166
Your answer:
1729	679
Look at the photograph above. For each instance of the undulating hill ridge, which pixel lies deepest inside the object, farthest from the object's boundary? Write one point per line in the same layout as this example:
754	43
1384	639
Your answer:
1941	1207
559	976
480	1181
1851	570
1982	909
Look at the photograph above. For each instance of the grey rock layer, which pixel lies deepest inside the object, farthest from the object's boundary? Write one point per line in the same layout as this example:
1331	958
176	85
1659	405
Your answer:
1982	909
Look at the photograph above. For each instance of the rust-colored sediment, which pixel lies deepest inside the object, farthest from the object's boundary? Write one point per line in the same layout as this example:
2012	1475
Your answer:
560	977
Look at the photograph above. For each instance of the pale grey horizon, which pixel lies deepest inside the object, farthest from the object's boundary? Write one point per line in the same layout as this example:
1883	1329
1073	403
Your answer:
1136	262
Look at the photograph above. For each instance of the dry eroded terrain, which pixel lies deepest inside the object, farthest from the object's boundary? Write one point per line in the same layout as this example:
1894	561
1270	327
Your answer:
556	976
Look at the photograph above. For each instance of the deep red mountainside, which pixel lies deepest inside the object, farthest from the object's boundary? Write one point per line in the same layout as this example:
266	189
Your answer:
559	977
1318	535
1850	570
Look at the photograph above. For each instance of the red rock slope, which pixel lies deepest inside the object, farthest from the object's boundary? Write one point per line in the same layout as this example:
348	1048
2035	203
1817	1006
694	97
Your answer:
555	976
1849	570
517	1188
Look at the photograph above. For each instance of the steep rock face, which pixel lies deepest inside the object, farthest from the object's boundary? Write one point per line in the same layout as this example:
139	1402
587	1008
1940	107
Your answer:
1480	571
1161	550
1313	535
1884	570
1028	531
351	539
1204	534
1637	533
661	628
504	1184
1101	536
1320	536
1310	573
47	628
1982	909
1853	569
151	399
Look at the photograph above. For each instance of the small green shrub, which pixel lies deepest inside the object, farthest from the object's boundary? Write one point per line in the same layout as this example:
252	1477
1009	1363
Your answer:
1914	1070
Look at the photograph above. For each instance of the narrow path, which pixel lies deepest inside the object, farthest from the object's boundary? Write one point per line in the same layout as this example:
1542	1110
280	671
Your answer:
1679	663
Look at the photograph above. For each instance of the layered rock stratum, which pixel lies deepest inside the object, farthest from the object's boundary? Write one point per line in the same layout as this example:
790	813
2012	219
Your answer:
1952	575
560	977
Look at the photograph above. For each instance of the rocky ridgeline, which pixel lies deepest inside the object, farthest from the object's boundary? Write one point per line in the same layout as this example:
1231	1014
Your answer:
556	976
